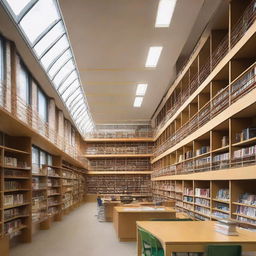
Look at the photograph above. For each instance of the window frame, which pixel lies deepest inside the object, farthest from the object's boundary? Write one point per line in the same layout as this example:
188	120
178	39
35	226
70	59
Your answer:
39	90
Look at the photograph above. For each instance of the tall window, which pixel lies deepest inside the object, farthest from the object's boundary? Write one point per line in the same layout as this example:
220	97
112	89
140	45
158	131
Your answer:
42	105
2	68
23	88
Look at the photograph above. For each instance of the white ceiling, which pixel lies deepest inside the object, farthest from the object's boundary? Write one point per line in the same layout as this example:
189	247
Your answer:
111	38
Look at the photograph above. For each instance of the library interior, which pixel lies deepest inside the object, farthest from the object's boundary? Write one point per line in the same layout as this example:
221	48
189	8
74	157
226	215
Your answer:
128	127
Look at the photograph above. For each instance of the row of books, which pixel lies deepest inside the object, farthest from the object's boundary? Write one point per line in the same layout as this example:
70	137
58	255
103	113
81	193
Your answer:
245	152
11	226
10	200
220	157
221	206
38	204
10	213
11	184
203	192
223	194
246	210
11	173
188	206
188	191
247	198
246	134
53	183
220	215
202	201
188	199
205	161
202	210
202	150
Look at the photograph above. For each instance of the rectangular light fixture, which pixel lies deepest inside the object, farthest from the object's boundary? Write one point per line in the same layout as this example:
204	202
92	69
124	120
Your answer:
141	89
153	56
165	13
137	102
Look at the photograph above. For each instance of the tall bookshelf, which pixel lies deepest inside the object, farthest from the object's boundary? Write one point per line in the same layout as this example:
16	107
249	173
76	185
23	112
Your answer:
119	161
205	127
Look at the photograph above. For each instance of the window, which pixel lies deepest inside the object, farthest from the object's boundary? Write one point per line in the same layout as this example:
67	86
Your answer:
73	136
18	6
35	156
43	158
39	18
2	60
42	105
23	87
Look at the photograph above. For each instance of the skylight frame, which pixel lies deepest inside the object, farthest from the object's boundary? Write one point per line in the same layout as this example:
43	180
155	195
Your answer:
78	99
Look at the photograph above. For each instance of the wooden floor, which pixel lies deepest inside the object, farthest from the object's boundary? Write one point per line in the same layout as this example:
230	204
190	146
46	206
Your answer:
79	234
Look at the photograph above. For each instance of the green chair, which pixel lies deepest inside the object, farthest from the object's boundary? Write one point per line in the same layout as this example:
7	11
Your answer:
150	245
225	250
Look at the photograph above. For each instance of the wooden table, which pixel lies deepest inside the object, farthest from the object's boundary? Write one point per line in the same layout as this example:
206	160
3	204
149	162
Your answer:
192	236
124	219
109	207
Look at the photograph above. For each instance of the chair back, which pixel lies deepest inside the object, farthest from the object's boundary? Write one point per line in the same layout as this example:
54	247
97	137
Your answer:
225	250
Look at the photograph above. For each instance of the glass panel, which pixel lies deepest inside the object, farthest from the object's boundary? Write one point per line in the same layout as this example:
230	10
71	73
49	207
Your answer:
1	60
42	105
17	6
49	38
43	158
39	18
35	155
69	66
59	63
70	94
23	85
77	109
70	89
49	159
75	102
67	82
54	52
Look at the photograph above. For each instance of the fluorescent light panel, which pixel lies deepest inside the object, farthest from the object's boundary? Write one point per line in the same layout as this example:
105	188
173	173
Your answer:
141	89
137	102
165	13
153	56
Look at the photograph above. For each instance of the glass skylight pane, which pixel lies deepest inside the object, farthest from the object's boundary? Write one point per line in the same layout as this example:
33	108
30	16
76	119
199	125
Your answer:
39	18
71	89
74	110
74	96
59	63
74	103
54	52
71	78
70	93
49	38
17	6
67	68
77	110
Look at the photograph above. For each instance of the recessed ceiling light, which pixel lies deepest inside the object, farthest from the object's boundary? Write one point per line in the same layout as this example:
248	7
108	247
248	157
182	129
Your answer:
164	13
137	102
141	89
153	56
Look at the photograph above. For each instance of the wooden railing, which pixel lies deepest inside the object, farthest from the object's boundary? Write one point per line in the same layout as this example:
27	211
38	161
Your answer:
19	109
222	100
240	28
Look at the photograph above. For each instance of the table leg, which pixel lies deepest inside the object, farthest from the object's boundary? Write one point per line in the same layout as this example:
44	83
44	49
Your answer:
168	250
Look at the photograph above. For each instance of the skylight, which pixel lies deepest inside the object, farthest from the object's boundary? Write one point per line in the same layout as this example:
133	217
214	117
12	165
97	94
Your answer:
18	6
41	23
137	102
153	56
141	89
165	13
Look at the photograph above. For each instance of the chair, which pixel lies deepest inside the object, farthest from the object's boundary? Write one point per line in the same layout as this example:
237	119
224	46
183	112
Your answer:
227	250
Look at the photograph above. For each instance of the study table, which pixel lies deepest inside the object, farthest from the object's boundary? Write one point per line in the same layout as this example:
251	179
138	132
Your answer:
110	204
124	218
192	236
